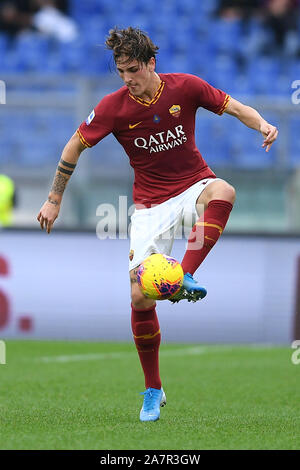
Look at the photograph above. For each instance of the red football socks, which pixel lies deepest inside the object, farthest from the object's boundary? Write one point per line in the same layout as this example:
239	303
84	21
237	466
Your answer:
205	234
146	334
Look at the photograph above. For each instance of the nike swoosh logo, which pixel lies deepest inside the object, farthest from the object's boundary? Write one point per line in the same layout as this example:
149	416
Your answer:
132	126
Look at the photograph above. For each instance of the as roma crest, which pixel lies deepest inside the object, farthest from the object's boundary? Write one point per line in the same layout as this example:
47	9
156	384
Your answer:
175	110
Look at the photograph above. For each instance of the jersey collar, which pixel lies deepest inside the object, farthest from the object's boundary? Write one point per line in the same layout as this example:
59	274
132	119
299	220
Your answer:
154	99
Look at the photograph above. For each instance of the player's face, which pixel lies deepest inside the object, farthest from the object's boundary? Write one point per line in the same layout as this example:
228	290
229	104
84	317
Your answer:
136	76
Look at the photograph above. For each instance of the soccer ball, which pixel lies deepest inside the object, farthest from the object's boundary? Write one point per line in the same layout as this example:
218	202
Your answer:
160	277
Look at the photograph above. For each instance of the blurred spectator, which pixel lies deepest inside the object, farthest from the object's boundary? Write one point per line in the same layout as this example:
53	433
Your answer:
241	9
278	22
45	16
281	19
15	16
51	21
7	200
63	5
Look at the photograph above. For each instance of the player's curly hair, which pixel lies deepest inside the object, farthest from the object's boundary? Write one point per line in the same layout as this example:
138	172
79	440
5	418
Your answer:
132	43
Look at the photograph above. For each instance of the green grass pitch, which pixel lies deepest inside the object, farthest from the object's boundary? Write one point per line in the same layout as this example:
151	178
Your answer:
81	395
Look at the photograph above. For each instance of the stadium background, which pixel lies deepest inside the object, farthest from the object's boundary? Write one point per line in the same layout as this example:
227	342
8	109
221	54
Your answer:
84	393
52	83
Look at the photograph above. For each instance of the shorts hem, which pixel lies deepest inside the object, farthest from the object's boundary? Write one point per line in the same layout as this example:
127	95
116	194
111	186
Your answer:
137	263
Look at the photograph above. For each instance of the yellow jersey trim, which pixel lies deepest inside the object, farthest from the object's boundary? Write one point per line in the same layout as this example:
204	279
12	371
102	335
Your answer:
82	139
154	99
225	104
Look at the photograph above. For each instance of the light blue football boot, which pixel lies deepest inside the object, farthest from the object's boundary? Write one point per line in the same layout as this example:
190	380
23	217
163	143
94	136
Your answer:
190	290
153	400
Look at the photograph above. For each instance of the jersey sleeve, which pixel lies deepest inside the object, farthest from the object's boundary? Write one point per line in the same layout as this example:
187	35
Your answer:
206	96
98	124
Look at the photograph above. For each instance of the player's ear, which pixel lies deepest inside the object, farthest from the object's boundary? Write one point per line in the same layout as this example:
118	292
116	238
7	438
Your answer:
152	64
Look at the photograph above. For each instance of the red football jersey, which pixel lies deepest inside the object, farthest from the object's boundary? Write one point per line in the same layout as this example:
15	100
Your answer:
158	135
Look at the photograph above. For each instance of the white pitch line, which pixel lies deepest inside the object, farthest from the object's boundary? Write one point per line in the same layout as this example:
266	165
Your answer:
118	355
188	351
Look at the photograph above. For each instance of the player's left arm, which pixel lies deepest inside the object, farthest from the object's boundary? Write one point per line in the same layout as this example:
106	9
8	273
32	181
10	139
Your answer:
251	118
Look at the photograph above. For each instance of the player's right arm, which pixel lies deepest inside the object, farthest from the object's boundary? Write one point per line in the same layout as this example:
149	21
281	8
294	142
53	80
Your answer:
70	155
251	118
99	124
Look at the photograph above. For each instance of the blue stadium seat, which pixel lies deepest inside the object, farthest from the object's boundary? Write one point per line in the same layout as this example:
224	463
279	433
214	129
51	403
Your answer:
32	42
180	43
163	61
72	55
163	25
225	36
263	72
223	72
212	142
96	61
53	65
33	50
108	155
191	40
94	29
38	154
7	151
3	43
282	86
229	143
188	7
147	8
199	25
241	86
246	150
202	58
136	20
10	62
177	64
207	7
20	125
81	10
6	139
294	69
254	37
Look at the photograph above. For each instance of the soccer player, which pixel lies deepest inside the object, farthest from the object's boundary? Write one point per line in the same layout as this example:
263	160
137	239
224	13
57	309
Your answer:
153	118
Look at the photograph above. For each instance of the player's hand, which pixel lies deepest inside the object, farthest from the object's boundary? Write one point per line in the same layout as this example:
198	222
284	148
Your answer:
269	133
48	214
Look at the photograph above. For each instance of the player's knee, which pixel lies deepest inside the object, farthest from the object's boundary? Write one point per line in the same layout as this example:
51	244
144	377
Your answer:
230	194
138	299
227	192
141	302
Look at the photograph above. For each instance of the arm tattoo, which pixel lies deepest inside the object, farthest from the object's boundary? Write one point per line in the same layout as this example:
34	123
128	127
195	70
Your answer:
63	170
67	164
134	279
55	203
59	183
